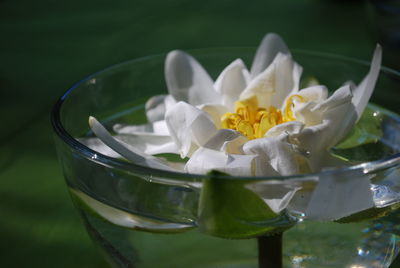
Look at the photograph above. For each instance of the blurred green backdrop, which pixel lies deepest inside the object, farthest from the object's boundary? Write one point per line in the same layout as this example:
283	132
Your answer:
47	45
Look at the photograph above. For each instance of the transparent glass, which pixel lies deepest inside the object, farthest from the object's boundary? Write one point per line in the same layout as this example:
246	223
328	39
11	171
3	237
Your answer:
143	217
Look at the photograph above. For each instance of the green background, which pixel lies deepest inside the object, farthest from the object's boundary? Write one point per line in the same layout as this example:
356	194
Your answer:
47	45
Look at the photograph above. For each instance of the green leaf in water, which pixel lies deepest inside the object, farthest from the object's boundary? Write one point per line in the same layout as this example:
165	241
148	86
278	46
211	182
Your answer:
228	209
364	152
172	157
363	142
367	130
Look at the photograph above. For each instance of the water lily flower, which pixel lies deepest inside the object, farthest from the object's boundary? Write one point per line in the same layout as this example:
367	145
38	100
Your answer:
255	122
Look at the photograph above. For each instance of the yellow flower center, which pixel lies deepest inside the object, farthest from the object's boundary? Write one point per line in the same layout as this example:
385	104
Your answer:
254	121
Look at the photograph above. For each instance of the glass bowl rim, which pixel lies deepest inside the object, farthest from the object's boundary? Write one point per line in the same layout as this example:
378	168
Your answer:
86	152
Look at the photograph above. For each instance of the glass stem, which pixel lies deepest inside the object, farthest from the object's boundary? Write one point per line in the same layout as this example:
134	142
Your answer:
270	251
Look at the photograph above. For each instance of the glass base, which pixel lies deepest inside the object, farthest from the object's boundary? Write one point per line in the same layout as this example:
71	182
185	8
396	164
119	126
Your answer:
308	244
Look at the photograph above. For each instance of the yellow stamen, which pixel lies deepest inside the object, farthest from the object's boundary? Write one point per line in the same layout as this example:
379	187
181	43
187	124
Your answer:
230	120
247	108
246	129
254	121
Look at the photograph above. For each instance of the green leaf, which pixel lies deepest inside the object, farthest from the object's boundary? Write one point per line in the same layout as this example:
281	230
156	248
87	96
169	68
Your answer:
228	209
363	142
367	130
364	152
172	157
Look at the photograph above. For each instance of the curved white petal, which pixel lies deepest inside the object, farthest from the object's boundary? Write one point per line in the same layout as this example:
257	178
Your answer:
287	79
262	86
231	82
363	91
205	160
97	145
296	76
150	144
275	83
189	127
339	97
291	127
314	140
157	105
340	112
228	141
316	93
338	116
215	111
132	154
158	128
270	46
305	111
188	81
278	194
275	157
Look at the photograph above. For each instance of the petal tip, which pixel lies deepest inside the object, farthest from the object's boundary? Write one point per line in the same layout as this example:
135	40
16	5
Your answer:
92	121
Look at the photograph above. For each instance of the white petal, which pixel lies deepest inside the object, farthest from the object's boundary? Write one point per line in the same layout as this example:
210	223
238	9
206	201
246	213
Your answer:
338	116
215	111
301	199
292	127
188	81
339	97
287	79
262	86
133	129
150	144
97	145
305	111
279	194
296	76
339	110
277	197
341	119
315	141
275	83
338	196
157	105
189	127
158	128
228	141
315	93
205	160
231	82
270	46
363	92
274	156
132	154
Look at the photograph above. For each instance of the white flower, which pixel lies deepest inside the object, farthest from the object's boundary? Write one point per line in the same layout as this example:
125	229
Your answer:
246	123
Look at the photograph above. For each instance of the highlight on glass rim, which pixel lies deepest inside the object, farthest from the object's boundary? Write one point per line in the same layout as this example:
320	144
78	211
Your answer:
263	159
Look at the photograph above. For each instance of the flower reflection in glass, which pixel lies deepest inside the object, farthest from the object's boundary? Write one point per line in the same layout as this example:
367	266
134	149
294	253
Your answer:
246	123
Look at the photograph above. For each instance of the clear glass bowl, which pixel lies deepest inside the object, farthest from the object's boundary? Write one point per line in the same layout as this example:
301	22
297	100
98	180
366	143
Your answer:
144	217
